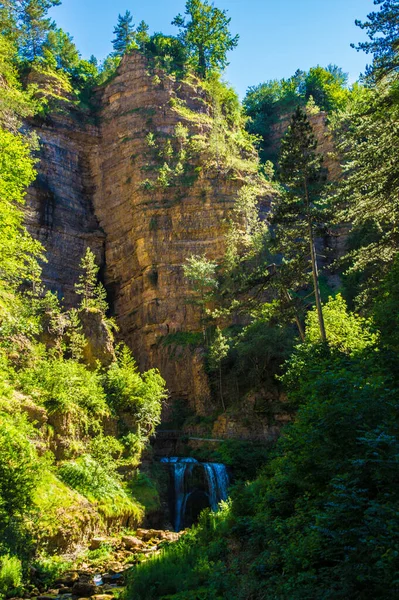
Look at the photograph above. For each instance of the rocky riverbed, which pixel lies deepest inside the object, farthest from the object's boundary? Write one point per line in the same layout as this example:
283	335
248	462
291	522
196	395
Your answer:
103	578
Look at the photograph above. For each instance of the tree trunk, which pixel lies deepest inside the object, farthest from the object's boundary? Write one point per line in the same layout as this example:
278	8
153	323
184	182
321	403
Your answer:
315	270
297	319
220	386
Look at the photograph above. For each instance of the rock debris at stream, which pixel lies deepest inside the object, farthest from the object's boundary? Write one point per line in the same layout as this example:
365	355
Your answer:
105	581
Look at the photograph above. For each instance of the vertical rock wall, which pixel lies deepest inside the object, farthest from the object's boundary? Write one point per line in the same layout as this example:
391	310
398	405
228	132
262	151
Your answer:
97	185
59	206
150	233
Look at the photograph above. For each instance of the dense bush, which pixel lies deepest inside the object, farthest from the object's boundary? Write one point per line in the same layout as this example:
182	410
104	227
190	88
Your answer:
10	576
99	485
68	387
20	473
321	520
135	393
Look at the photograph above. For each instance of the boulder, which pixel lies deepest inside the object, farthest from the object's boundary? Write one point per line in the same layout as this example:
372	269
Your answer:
68	579
97	542
132	542
84	589
99	342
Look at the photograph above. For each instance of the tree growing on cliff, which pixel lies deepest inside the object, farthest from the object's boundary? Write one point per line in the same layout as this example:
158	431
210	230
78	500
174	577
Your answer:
124	34
142	37
299	211
34	26
201	274
93	293
206	36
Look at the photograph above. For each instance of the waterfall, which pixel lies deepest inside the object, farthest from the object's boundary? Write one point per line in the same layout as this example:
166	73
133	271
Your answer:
216	482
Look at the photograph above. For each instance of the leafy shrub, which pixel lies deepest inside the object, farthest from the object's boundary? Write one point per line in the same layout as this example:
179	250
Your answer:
66	386
99	485
106	450
20	472
186	565
138	394
10	576
48	568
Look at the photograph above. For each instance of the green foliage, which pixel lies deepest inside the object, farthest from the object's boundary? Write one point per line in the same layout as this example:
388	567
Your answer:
93	293
168	53
15	103
98	485
346	332
108	68
386	307
145	491
382	28
319	521
48	568
20	473
140	395
259	351
10	576
66	387
34	26
265	104
299	212
368	192
124	34
18	250
206	36
184	566
60	51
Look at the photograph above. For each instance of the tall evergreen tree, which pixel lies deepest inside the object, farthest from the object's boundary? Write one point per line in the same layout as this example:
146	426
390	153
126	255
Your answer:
93	293
299	211
368	193
206	35
142	37
34	26
382	28
61	47
124	34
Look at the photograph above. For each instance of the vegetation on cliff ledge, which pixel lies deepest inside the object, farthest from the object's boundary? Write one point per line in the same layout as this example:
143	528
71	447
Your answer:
318	518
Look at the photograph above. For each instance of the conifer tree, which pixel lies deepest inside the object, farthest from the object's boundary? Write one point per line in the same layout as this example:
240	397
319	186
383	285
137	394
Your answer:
34	26
93	293
61	47
217	352
124	34
382	28
142	37
299	211
206	36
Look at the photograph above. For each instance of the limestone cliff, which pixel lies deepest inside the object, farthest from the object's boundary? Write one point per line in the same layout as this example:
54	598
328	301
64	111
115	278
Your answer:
59	205
145	181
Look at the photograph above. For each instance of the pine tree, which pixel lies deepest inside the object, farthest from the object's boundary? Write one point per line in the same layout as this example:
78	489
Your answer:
206	36
142	37
93	293
368	192
217	352
383	30
125	34
299	211
34	26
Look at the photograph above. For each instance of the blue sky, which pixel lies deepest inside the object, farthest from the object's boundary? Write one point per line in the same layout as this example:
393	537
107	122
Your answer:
276	36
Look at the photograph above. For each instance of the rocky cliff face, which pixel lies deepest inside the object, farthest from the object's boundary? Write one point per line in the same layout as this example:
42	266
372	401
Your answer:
325	140
59	205
141	181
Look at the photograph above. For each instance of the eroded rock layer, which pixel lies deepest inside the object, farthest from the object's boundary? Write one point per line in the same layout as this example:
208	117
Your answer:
59	205
109	183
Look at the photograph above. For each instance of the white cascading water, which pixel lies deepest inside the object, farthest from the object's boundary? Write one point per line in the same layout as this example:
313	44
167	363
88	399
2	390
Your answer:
216	477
